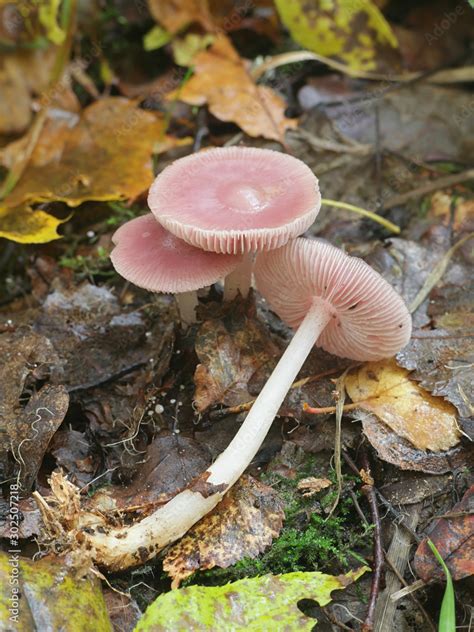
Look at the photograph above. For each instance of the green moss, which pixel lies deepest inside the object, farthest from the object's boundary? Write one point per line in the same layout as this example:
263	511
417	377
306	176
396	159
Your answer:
309	540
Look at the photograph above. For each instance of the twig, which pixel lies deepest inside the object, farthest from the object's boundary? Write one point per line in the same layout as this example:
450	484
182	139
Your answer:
401	579
362	211
378	549
452	75
215	415
429	187
332	618
436	274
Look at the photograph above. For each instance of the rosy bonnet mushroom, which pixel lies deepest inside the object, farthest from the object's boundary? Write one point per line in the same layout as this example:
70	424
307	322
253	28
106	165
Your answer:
236	200
150	257
337	302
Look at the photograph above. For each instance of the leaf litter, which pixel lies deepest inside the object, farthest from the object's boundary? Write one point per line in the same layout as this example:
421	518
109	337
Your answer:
137	408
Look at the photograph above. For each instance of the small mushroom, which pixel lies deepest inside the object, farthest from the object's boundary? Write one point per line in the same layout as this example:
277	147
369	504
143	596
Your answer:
149	256
336	301
237	200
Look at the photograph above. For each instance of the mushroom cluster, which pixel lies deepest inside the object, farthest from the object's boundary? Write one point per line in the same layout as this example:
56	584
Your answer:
335	301
214	210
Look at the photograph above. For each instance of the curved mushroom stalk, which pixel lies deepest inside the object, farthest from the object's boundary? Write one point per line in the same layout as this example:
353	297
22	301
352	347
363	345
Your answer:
335	300
128	546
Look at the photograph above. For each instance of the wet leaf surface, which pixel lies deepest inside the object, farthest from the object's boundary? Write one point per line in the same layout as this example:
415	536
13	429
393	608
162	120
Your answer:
357	34
242	525
386	390
104	154
453	536
258	603
48	595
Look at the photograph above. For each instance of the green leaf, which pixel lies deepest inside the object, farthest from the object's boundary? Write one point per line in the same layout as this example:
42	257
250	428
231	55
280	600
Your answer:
447	615
262	603
184	48
351	31
48	16
43	595
156	38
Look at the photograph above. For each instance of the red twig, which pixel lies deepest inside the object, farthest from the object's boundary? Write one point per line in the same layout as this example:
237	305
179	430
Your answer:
369	491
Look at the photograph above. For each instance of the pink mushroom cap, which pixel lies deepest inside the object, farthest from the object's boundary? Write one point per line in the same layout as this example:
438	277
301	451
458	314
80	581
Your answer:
236	199
149	256
369	320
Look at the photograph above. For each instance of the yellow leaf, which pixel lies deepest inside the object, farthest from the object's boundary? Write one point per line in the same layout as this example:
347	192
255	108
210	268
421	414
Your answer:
48	16
185	48
351	31
222	81
105	154
383	388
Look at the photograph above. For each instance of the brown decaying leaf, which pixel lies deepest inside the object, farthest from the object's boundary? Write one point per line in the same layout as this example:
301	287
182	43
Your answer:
176	14
105	154
26	430
454	538
383	388
243	524
222	81
394	449
231	355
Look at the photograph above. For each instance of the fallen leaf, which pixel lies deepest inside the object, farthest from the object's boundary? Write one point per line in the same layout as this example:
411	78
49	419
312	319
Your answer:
174	15
383	388
394	449
187	47
242	525
311	485
27	428
170	463
231	354
355	33
261	603
105	154
44	595
454	538
222	81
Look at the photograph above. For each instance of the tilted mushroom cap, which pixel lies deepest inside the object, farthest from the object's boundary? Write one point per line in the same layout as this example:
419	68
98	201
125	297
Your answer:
149	256
236	199
369	320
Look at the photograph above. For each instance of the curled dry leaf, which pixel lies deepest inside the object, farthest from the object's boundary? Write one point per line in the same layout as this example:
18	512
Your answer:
243	524
383	388
394	449
231	355
453	536
105	154
222	81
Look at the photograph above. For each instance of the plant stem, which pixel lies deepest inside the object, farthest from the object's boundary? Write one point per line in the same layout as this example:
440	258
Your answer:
187	303
362	211
239	280
128	546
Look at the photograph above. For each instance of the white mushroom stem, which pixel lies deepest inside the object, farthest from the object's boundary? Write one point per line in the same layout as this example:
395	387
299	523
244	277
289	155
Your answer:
240	279
129	546
187	304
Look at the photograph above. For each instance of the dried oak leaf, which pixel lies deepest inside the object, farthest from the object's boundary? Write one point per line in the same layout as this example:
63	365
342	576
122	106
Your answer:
383	388
243	524
230	356
454	538
221	79
105	154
